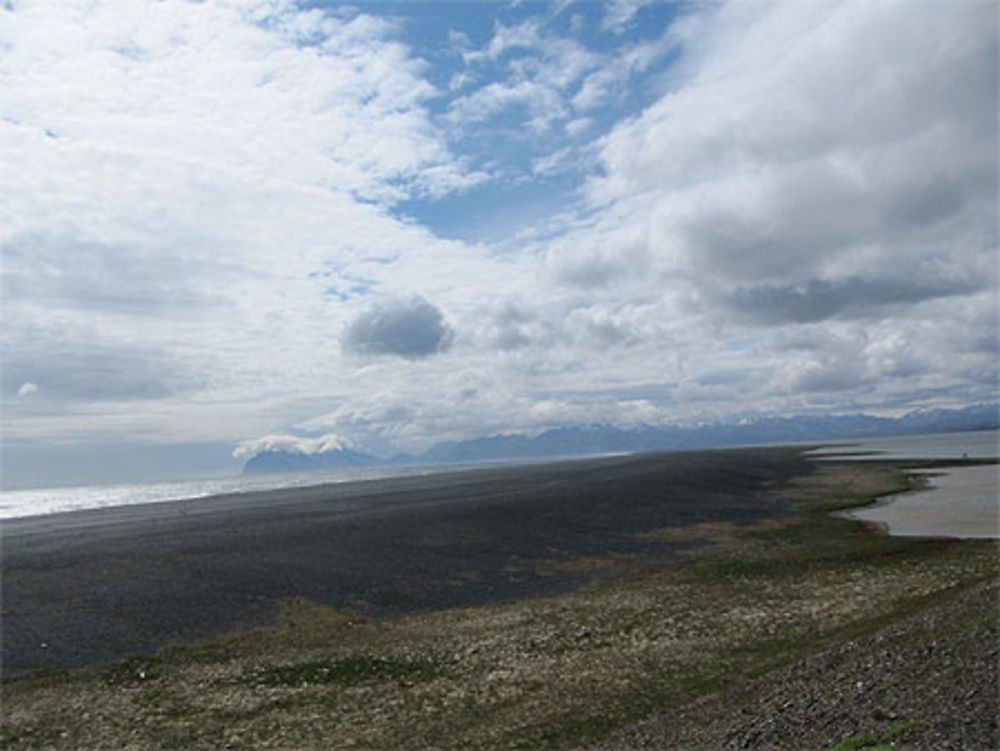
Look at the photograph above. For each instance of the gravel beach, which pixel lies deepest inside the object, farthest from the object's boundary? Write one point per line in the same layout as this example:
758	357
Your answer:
92	586
677	601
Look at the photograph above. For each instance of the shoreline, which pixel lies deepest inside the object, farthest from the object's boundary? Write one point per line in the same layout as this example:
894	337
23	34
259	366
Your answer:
91	586
224	562
634	639
709	600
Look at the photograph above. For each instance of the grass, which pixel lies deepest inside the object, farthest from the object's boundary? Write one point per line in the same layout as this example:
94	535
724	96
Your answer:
351	670
546	673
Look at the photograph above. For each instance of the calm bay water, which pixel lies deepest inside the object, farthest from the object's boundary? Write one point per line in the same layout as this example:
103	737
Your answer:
977	444
961	502
958	501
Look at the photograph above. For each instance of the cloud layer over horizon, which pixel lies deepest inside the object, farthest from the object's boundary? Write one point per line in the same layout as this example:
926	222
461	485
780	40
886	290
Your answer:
233	220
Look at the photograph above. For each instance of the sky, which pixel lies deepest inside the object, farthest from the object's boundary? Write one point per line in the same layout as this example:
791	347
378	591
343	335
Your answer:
233	225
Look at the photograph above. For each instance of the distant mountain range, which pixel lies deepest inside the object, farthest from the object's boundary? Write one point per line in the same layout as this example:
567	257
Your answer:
603	439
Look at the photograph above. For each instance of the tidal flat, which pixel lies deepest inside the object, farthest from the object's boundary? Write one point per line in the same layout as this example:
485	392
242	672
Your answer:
646	601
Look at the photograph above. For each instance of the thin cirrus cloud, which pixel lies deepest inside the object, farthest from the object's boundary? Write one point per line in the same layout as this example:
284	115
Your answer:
228	209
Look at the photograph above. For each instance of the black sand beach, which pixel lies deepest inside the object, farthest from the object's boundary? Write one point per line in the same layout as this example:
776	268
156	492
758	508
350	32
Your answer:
89	587
725	606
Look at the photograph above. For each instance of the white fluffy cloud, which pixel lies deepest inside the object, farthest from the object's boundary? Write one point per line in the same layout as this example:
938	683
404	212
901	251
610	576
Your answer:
187	186
203	240
27	389
812	163
290	444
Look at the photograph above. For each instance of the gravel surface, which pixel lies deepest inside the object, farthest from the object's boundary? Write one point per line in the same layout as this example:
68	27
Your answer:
94	586
927	683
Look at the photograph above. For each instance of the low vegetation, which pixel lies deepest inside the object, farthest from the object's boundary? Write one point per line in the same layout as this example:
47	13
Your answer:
544	673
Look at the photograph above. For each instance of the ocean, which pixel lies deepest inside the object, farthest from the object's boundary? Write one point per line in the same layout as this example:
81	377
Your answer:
976	444
957	502
19	503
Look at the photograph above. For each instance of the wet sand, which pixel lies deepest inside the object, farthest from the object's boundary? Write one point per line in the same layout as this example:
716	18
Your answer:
92	586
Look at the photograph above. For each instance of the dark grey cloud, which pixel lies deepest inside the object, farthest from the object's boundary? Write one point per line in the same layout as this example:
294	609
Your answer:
730	376
593	271
74	371
92	276
818	299
604	332
511	325
406	327
832	378
729	245
926	204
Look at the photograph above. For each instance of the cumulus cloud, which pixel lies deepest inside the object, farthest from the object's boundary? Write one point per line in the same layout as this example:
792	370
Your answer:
201	197
184	184
612	249
809	135
262	89
408	327
513	326
810	165
27	389
416	419
290	444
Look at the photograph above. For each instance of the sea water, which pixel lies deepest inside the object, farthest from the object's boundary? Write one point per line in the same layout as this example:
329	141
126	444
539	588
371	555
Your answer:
957	501
19	503
960	502
975	444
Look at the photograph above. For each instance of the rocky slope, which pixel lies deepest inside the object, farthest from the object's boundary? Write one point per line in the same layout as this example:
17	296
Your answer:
928	683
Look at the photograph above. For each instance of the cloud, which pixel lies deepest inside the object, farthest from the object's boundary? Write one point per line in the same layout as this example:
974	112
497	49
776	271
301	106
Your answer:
474	403
410	327
218	168
537	77
70	272
790	175
290	444
824	377
260	89
89	371
620	12
608	251
212	211
818	299
513	326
